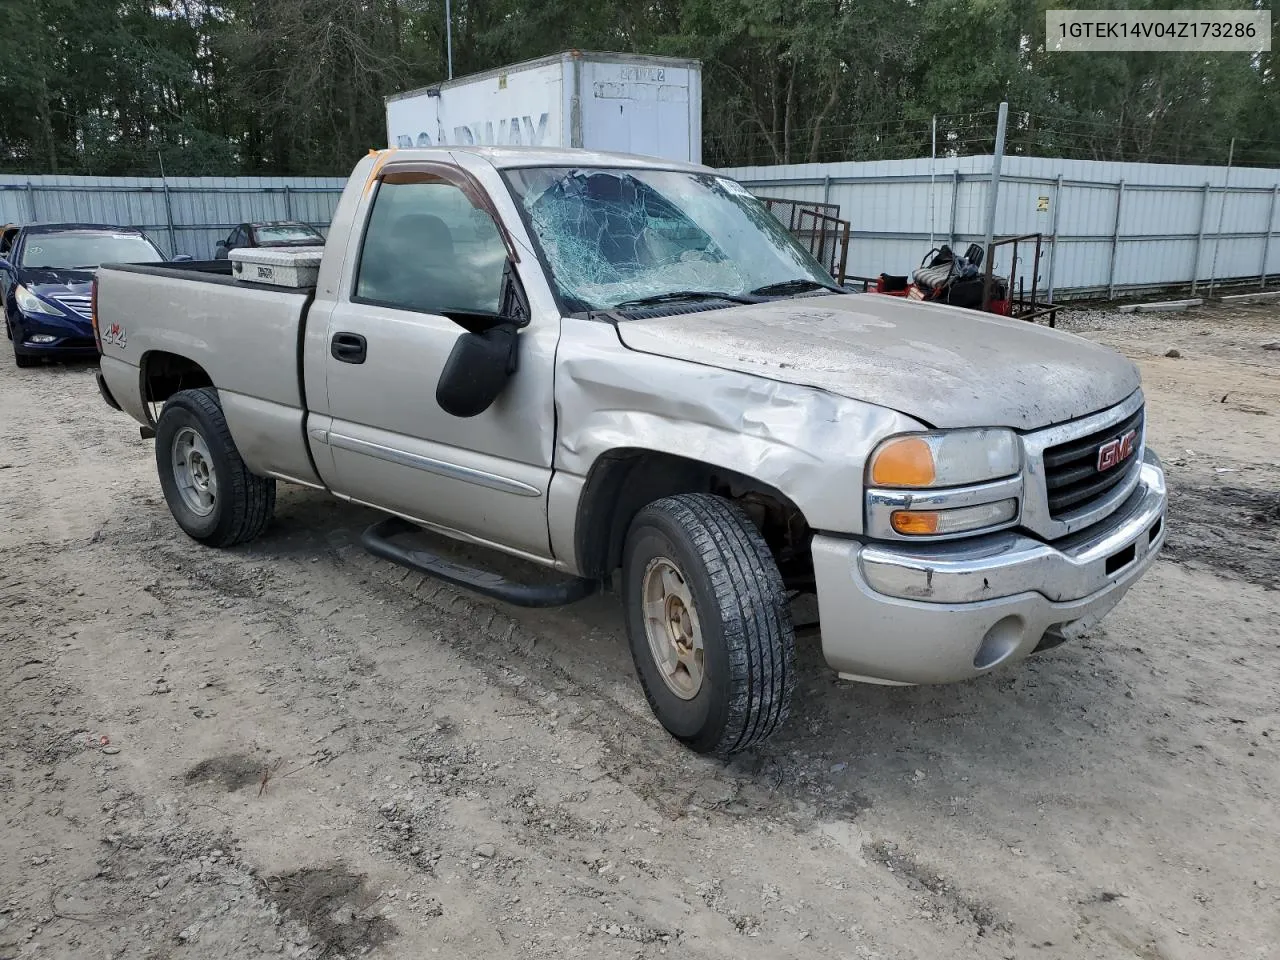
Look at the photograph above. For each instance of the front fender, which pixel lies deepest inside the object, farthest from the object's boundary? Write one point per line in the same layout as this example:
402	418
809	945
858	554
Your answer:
808	444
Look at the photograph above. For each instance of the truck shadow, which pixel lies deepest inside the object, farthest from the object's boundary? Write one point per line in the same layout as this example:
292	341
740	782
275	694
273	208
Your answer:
846	747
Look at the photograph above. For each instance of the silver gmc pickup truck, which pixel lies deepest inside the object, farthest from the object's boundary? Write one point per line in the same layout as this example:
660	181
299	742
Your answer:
627	371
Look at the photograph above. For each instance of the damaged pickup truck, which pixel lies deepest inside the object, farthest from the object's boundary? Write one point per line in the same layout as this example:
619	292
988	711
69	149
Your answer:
627	371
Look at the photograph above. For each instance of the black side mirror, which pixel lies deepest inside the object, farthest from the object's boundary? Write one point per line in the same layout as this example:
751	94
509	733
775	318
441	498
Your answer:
477	370
484	358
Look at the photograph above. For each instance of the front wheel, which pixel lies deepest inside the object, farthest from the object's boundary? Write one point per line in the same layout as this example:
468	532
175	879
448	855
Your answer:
210	491
21	359
708	623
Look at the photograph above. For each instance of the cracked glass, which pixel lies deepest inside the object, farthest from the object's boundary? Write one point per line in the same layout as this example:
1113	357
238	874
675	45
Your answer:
612	236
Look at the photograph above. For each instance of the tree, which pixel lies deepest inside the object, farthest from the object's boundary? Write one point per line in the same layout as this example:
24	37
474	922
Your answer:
297	86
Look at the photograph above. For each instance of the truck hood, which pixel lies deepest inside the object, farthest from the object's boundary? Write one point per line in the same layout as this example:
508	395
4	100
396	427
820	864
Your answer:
946	366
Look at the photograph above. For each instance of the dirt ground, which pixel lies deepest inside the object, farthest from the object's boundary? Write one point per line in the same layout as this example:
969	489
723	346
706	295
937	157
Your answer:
292	748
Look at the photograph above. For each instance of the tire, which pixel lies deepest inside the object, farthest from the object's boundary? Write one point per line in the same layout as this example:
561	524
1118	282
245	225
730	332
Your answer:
705	548
223	503
20	359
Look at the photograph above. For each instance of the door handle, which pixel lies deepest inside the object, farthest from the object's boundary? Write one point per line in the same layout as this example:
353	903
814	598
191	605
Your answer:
348	347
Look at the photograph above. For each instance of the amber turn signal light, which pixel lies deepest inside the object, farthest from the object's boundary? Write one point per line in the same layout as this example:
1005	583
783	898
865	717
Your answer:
925	523
915	523
905	462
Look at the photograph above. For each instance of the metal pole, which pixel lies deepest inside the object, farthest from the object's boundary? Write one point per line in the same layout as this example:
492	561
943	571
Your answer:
448	33
1053	237
993	192
826	189
1222	209
288	203
986	279
955	196
1195	262
1266	241
933	159
1115	244
31	201
168	209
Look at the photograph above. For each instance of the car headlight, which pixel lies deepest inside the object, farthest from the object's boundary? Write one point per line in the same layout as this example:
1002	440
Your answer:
944	483
28	302
949	459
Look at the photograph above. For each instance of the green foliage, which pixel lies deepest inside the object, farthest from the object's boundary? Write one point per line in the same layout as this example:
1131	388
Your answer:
296	86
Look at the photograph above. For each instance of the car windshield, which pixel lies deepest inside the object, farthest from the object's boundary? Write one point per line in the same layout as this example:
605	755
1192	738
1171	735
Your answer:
82	249
616	236
280	233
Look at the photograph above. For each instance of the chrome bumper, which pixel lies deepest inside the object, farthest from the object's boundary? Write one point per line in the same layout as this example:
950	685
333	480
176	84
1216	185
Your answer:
936	613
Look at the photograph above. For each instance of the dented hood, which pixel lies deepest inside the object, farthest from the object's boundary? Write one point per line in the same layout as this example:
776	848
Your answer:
943	365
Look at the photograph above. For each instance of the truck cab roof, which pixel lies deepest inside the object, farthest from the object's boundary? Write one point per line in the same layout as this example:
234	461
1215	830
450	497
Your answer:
511	157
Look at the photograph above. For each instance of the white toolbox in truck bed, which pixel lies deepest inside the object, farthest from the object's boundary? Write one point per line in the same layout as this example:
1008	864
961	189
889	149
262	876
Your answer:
293	267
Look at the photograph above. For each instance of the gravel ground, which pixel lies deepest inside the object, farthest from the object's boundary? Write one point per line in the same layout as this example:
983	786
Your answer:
294	749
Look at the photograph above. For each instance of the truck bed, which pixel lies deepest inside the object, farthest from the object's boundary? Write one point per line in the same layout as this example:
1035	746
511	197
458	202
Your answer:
246	336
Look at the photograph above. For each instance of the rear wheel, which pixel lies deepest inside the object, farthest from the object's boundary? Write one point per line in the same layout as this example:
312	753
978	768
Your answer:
210	491
708	623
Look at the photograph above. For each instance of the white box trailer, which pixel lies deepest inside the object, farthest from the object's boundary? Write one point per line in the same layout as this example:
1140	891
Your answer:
598	101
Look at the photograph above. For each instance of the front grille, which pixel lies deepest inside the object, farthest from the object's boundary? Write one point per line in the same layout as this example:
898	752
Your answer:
1072	479
79	304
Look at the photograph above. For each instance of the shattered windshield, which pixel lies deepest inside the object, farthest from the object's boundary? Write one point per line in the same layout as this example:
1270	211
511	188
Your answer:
617	236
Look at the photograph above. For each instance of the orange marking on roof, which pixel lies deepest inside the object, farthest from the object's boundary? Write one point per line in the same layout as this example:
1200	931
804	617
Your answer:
383	157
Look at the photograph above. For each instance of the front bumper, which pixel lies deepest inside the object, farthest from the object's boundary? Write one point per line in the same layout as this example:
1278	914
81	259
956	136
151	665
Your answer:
942	612
69	336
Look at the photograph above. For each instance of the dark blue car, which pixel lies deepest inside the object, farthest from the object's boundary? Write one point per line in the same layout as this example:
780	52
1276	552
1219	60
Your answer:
46	278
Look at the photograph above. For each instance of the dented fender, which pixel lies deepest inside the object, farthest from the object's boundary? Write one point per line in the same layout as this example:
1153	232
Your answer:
808	444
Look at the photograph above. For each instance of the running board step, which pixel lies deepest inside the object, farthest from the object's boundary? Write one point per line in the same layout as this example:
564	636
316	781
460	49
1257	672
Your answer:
377	540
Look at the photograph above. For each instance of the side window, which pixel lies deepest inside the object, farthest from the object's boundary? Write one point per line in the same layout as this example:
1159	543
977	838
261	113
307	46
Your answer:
429	249
241	237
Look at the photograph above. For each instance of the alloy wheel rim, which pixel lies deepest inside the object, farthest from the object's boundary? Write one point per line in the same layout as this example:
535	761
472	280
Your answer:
193	470
672	628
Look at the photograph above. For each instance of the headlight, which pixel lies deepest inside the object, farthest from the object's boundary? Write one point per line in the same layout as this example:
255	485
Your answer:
28	302
944	484
950	459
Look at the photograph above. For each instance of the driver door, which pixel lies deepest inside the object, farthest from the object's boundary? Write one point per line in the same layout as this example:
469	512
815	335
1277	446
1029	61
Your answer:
428	249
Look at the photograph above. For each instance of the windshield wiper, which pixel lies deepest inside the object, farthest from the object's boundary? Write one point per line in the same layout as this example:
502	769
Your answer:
676	295
798	285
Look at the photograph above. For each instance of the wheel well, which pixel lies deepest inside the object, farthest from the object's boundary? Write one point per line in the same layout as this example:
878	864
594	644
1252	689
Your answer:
164	374
623	482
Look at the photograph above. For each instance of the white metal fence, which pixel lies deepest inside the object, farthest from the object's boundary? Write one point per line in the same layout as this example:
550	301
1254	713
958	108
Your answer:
181	214
1113	227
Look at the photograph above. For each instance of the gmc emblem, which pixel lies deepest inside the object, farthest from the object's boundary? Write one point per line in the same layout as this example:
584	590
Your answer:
1117	451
